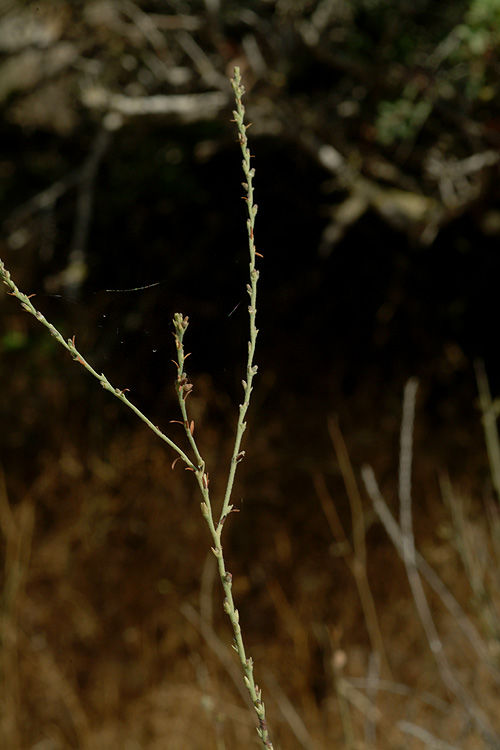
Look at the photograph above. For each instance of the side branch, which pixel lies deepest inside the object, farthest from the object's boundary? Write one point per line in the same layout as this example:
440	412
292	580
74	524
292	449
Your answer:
251	370
69	345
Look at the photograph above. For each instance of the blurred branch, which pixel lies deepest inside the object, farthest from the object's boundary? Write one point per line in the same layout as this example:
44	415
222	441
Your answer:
474	551
355	553
205	67
88	176
397	688
426	737
46	198
454	177
407	543
187	107
372	682
288	711
490	417
219	649
146	24
420	188
84	179
394	532
75	271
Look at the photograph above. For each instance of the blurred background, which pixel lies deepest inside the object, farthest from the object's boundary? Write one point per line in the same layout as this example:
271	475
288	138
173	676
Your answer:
375	134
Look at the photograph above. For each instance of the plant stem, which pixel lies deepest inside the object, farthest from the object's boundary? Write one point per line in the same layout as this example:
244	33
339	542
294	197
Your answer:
239	117
183	388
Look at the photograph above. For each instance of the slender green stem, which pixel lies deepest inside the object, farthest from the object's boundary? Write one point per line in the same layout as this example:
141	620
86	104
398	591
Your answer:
183	386
183	389
69	345
249	172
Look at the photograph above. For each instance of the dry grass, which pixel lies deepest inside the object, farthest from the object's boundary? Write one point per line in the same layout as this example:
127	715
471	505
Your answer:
110	640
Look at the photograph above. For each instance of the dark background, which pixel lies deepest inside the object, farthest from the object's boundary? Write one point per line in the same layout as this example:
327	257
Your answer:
380	263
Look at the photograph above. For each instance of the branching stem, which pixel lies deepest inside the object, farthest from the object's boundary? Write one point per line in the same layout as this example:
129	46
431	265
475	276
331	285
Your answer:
183	389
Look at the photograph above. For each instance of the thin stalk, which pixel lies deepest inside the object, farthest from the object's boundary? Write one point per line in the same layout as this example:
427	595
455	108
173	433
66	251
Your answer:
249	172
183	386
357	553
183	389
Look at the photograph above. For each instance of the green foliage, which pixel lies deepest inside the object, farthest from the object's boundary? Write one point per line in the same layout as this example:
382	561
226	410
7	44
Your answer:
480	32
459	62
401	119
485	13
